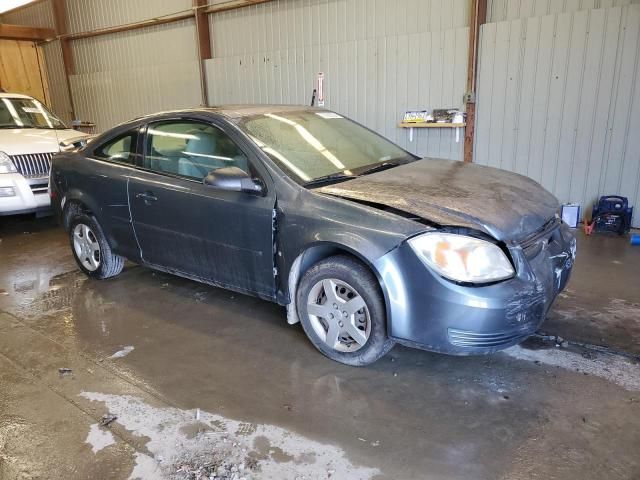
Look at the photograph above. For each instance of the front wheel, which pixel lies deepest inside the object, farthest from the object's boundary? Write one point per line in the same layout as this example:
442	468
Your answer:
341	309
91	250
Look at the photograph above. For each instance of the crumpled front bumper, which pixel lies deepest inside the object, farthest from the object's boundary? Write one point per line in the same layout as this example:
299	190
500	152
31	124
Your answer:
429	312
29	195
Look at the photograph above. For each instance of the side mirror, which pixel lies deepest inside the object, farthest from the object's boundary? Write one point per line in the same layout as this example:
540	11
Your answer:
234	179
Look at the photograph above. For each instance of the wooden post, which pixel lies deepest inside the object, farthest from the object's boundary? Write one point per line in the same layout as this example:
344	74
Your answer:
61	21
204	44
204	36
478	18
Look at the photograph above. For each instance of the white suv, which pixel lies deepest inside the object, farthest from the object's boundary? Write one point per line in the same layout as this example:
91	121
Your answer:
29	136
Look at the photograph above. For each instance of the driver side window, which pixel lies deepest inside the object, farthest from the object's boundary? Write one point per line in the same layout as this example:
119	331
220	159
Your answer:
190	149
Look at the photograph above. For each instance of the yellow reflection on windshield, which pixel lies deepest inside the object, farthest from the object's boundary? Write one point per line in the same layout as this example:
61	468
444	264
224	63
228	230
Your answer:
310	139
303	176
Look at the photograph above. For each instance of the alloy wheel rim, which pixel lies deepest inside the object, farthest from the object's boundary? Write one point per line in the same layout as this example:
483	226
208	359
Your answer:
86	247
339	315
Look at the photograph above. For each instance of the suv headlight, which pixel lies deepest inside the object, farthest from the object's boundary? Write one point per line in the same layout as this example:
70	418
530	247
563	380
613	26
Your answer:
462	258
6	165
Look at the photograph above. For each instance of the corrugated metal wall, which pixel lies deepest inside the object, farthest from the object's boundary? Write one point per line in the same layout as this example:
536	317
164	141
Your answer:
85	15
558	95
124	75
128	74
37	15
404	54
559	101
400	55
58	90
500	10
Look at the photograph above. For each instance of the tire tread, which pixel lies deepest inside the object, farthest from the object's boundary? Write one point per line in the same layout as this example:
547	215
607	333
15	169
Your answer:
111	264
379	344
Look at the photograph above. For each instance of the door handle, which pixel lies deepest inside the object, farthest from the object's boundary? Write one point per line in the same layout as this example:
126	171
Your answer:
148	197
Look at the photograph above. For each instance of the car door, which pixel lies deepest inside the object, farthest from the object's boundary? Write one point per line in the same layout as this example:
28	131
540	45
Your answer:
184	226
102	177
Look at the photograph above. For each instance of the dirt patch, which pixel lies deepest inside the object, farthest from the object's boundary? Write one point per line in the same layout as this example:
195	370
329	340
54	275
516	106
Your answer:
194	444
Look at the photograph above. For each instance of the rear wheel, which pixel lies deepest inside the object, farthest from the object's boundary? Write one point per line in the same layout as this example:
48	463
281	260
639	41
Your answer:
342	311
91	249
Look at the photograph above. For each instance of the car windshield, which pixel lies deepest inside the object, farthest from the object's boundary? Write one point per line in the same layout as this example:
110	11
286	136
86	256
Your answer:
26	113
315	145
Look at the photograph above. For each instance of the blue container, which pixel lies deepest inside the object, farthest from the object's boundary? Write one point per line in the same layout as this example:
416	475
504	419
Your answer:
635	239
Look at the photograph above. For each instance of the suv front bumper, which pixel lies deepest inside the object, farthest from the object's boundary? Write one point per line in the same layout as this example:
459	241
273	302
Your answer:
23	195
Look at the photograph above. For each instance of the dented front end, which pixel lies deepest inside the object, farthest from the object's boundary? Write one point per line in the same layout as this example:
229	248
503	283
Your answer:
433	313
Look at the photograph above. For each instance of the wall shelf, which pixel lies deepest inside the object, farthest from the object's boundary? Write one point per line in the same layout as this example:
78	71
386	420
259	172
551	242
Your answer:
431	125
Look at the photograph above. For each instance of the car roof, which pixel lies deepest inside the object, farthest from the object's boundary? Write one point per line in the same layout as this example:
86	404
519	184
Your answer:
14	95
233	112
239	111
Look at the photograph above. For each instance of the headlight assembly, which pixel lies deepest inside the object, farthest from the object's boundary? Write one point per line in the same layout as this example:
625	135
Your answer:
6	165
462	258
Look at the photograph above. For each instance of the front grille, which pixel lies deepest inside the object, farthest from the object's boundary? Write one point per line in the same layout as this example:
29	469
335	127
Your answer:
33	164
38	188
466	338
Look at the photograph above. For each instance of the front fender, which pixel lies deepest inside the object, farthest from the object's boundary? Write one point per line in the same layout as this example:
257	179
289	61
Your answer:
310	227
319	250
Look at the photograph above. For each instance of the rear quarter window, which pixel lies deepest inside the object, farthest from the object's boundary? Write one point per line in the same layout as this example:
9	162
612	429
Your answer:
121	149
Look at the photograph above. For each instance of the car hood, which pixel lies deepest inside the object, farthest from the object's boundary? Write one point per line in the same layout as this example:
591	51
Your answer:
19	141
505	205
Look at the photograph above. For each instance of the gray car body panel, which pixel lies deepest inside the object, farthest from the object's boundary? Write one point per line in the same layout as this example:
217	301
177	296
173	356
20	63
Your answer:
364	217
503	204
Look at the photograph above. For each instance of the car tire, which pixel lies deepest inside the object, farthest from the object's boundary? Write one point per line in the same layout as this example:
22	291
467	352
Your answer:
349	280
91	250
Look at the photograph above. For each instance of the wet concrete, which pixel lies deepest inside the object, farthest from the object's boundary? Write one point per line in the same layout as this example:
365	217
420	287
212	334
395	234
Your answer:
232	363
601	305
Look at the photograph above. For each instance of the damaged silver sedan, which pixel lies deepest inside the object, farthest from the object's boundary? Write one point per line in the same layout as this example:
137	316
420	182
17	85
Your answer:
366	244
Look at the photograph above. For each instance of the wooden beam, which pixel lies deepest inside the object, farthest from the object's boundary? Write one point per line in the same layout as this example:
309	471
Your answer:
61	21
478	18
233	4
132	26
24	32
203	43
202	27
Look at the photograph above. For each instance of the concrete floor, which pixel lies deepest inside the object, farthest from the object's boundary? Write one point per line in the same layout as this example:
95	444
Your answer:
219	377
